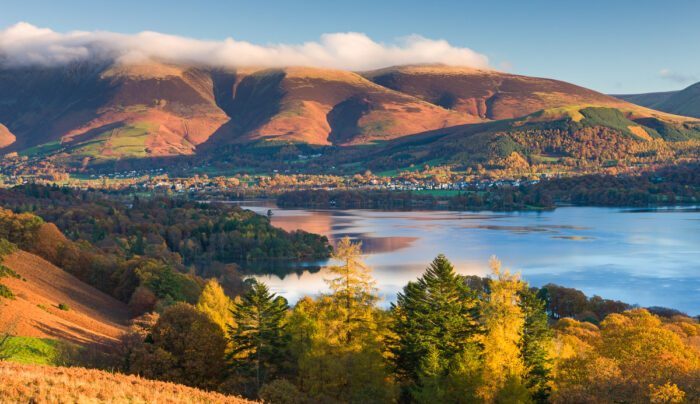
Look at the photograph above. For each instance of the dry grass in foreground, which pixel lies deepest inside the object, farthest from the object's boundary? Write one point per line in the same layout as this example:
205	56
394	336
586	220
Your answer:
47	384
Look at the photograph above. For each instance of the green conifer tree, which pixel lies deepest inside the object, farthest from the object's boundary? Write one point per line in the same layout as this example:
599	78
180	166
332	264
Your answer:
258	339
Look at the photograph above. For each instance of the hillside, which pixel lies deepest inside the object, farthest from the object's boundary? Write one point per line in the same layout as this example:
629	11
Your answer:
48	384
487	94
111	112
6	137
94	317
154	114
577	136
684	102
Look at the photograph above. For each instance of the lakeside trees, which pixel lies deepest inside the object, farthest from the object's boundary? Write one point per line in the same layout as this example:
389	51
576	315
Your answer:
448	338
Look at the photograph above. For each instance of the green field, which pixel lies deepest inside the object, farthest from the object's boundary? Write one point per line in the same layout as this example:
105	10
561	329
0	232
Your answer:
439	192
125	142
46	148
38	351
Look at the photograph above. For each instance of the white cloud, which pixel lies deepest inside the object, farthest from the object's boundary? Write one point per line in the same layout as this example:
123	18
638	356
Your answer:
676	77
25	44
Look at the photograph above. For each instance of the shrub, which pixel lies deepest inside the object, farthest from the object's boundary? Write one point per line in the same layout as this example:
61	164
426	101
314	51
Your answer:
281	391
63	307
6	292
184	346
143	300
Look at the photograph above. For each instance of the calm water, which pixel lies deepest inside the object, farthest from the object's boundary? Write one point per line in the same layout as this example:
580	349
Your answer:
647	257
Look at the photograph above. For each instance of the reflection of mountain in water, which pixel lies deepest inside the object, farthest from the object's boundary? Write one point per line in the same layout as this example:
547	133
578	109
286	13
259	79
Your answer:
378	245
318	222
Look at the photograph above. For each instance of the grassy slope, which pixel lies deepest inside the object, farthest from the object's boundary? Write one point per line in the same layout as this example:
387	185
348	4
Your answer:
93	317
480	142
44	384
37	351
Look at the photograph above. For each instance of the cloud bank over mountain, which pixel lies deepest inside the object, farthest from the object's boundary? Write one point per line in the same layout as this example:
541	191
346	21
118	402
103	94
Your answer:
25	44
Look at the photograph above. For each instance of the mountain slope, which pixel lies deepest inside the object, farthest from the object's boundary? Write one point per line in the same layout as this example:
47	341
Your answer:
100	115
584	137
321	106
649	100
94	317
48	384
487	94
684	102
6	137
96	110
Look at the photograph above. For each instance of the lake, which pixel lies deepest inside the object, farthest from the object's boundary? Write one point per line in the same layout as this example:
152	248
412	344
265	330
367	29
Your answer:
649	257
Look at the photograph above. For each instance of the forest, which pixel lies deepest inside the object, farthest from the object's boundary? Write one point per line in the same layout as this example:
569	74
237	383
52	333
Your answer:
446	338
147	252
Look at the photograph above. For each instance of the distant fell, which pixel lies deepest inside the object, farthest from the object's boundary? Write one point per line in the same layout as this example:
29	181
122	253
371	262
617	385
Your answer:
683	102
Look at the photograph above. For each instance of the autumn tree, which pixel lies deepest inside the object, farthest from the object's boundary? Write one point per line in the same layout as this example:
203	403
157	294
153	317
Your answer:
184	346
434	342
354	294
214	302
504	320
634	356
258	339
337	338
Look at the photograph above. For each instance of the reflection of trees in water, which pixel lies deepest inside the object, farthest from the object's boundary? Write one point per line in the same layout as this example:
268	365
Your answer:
278	268
378	245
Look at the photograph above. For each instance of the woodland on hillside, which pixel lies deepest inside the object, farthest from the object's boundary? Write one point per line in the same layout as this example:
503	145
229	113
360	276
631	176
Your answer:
447	338
148	253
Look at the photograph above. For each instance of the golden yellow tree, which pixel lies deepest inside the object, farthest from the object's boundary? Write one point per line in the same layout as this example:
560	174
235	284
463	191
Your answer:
504	320
353	289
214	302
337	338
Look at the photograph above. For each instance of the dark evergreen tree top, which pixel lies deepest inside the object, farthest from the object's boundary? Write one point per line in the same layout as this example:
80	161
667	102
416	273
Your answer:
436	315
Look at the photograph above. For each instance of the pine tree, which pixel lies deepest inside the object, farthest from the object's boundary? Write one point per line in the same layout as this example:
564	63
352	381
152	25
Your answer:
435	334
258	339
536	346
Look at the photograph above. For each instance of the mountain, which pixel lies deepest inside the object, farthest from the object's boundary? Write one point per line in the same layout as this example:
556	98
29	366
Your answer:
99	114
93	317
109	112
582	137
684	102
487	94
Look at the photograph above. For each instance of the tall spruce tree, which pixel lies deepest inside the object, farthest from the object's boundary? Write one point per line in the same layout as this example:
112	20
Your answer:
535	345
258	339
434	344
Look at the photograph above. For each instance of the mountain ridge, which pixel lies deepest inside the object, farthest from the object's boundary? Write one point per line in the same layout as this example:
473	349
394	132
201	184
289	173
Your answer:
94	114
681	102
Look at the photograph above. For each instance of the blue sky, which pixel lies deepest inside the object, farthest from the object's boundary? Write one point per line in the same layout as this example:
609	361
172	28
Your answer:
617	46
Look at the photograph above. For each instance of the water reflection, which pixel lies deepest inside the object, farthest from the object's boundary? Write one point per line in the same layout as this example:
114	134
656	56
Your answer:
649	257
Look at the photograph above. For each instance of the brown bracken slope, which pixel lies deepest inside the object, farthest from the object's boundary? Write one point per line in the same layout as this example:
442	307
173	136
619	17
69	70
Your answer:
487	94
48	384
94	317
